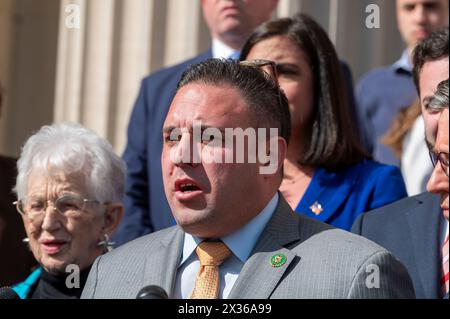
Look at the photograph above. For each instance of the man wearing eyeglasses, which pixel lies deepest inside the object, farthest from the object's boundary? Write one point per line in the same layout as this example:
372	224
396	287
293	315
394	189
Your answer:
415	229
439	180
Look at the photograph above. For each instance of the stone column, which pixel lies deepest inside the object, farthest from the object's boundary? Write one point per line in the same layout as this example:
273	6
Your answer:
182	39
29	41
287	8
100	64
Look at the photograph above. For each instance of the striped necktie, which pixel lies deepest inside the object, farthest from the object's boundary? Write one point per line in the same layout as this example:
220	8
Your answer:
211	255
444	278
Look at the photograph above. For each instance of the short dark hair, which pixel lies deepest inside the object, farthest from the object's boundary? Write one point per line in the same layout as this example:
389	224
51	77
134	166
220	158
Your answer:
267	102
333	142
432	48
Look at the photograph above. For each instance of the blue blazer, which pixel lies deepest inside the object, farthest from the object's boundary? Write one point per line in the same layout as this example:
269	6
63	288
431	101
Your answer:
339	197
146	206
410	229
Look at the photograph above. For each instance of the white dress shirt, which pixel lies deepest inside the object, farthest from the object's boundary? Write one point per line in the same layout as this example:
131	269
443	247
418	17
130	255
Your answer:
416	165
221	50
241	244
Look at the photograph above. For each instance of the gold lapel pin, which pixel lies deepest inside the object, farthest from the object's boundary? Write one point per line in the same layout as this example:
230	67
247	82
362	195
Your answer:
316	208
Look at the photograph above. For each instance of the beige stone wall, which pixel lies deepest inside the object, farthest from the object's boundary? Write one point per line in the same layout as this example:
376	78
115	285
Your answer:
53	72
28	37
6	23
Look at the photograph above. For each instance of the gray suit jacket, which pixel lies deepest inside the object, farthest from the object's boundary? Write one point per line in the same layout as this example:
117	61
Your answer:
322	262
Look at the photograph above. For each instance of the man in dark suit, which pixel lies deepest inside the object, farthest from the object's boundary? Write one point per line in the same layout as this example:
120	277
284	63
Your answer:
17	259
414	229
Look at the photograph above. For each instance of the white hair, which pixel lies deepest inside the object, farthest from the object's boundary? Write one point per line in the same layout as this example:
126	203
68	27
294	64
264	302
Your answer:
439	101
70	149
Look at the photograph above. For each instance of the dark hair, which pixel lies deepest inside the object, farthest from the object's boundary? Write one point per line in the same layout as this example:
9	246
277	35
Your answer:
267	102
332	141
432	48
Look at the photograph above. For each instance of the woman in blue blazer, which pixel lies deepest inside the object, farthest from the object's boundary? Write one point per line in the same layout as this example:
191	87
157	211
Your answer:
327	175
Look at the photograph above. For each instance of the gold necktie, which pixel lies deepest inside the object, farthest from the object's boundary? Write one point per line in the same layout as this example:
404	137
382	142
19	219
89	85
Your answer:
212	255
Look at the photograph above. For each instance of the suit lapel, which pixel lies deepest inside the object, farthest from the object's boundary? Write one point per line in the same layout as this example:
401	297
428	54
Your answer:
259	277
161	266
424	223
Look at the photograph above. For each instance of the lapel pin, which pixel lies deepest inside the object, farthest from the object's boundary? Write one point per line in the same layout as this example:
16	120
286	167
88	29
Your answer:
316	208
278	260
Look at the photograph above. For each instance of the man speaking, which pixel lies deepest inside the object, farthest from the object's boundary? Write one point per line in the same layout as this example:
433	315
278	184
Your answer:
236	237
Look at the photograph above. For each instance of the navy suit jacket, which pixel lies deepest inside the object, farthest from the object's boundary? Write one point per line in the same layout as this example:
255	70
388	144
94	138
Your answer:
146	206
410	230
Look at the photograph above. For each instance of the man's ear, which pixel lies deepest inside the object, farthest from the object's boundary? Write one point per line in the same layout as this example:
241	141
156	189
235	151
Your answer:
282	152
276	150
112	217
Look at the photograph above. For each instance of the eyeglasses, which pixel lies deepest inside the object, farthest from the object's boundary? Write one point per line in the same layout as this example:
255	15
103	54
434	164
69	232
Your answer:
442	158
267	66
67	205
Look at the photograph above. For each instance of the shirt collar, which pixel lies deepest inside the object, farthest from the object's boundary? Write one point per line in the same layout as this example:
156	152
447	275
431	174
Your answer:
404	63
240	242
221	50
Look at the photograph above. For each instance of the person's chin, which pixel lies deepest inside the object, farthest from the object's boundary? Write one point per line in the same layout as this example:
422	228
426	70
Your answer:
232	27
420	35
55	266
192	222
188	203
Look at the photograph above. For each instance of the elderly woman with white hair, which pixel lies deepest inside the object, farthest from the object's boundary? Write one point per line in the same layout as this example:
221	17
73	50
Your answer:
69	189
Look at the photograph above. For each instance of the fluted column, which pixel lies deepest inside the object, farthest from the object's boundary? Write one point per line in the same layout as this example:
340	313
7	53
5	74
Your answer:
287	8
100	64
184	19
97	66
69	64
139	50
